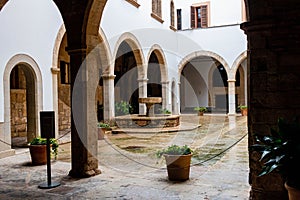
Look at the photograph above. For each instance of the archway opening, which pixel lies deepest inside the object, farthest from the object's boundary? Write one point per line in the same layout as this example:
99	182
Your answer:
23	109
126	83
193	84
154	87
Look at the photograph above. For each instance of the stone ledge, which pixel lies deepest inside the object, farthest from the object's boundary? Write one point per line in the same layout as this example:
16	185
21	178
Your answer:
7	153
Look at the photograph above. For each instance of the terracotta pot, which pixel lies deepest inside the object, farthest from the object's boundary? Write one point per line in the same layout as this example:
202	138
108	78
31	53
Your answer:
38	154
244	112
101	132
178	167
294	194
200	113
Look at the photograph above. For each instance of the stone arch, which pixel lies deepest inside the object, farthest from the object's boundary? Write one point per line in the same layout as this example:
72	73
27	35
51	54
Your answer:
240	90
100	51
210	92
2	3
157	50
161	59
136	47
35	106
236	64
189	57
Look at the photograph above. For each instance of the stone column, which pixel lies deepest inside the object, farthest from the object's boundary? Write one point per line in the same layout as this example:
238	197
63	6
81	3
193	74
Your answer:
108	96
179	99
83	120
231	96
273	77
165	94
142	94
55	72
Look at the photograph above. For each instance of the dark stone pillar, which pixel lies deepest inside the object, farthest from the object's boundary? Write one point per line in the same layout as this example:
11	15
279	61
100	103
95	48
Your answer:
273	81
83	124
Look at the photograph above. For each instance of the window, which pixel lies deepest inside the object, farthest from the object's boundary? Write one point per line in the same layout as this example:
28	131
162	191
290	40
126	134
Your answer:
179	19
156	10
172	13
156	7
65	77
199	16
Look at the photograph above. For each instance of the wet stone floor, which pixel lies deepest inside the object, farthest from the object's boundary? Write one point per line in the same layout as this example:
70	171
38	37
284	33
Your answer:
130	169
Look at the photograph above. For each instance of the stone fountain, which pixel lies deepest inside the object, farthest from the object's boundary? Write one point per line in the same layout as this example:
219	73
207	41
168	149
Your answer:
150	120
150	101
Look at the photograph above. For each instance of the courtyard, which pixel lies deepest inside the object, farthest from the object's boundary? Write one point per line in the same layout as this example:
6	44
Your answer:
131	170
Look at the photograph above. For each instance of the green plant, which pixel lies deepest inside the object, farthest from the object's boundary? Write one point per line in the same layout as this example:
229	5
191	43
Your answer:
174	150
280	151
242	107
123	108
43	141
103	125
165	111
200	109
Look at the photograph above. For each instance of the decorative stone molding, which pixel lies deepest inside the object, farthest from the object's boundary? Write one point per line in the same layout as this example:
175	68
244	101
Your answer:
172	28
134	3
55	70
158	18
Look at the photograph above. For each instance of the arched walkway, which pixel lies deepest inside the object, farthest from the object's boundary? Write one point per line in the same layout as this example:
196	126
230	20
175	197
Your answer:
157	75
34	95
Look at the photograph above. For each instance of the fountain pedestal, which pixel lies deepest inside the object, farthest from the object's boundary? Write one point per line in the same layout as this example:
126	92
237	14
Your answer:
150	101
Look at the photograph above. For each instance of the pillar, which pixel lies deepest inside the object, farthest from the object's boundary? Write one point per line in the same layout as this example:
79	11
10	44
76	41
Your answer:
55	72
273	81
231	97
84	161
108	96
165	94
142	94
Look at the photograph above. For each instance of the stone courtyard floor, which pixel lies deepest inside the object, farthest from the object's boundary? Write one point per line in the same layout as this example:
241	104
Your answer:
130	169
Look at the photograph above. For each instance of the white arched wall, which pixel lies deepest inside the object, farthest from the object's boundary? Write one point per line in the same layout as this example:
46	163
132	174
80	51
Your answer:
210	54
164	74
29	62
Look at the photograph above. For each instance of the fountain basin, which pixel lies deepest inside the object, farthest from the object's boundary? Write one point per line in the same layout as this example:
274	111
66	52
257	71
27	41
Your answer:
143	121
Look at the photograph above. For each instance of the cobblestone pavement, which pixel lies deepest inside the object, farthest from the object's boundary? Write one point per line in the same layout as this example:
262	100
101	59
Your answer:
130	170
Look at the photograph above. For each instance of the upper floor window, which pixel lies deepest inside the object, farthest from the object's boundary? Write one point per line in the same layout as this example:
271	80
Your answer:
172	13
156	7
200	15
156	10
179	19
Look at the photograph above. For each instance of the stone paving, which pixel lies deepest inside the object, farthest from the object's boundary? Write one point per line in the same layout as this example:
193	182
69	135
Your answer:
130	170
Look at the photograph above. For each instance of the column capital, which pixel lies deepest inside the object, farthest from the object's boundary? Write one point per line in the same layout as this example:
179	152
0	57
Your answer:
55	70
108	76
165	82
142	80
231	80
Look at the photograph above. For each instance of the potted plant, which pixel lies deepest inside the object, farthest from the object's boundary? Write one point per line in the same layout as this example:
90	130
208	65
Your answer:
102	128
244	110
165	111
38	150
200	110
123	108
281	152
178	160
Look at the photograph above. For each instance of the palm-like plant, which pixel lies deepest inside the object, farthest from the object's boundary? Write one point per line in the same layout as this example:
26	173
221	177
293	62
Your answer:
281	151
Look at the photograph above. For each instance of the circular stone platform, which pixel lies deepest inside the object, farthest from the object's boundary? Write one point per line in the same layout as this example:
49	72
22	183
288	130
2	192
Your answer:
143	121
